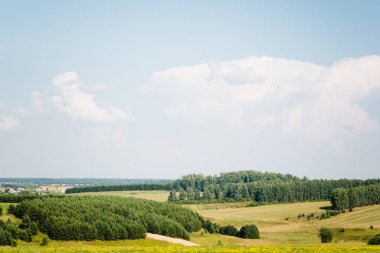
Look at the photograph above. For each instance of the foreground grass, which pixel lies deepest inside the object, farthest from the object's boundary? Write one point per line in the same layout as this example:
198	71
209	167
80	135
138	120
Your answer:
180	249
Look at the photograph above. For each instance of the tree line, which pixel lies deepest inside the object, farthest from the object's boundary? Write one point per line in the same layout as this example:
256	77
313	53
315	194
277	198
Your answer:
19	197
241	186
258	187
124	187
354	197
77	181
107	218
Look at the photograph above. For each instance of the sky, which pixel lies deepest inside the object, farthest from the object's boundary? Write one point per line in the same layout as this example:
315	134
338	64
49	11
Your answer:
161	89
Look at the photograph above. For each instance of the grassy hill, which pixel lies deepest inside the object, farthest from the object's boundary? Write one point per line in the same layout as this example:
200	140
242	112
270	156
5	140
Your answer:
279	223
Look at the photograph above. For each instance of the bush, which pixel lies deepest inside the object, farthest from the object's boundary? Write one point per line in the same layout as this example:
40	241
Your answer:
228	230
45	241
375	240
249	232
1	211
326	235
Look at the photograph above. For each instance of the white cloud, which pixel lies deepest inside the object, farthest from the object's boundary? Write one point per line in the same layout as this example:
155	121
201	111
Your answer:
99	87
80	105
8	123
297	98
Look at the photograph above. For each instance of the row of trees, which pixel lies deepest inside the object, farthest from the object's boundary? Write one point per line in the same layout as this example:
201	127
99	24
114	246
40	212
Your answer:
353	197
246	231
107	218
125	187
265	191
17	198
239	186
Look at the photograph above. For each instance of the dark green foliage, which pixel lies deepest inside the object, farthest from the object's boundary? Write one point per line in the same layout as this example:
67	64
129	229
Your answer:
339	199
228	230
9	233
374	240
357	196
259	187
106	218
326	235
211	227
17	198
124	187
45	241
249	232
1	211
172	196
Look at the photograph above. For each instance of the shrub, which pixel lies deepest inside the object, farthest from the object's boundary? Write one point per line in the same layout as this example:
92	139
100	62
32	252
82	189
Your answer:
374	240
249	232
1	211
326	235
371	227
45	241
228	230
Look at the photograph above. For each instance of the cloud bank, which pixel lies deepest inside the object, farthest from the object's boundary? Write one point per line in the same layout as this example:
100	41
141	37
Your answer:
297	98
79	105
8	123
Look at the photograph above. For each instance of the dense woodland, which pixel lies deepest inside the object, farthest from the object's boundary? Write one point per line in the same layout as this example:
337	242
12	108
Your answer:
258	187
242	186
17	198
107	218
353	197
124	187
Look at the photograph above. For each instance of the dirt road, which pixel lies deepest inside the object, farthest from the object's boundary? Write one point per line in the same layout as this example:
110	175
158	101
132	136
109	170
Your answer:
170	239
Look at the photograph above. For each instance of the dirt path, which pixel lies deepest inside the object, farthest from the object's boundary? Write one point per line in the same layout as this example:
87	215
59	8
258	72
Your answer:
170	239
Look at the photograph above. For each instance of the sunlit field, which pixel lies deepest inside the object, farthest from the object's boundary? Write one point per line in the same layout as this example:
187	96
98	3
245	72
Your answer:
279	224
160	196
180	249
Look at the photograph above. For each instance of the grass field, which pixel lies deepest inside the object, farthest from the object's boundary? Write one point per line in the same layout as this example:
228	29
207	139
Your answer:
279	223
281	231
160	196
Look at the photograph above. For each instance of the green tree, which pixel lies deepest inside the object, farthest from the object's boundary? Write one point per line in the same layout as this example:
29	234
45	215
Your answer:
45	241
326	235
172	196
182	195
228	230
374	240
249	232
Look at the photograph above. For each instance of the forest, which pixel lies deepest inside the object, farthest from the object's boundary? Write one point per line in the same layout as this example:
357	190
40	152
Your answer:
354	197
106	218
123	187
241	186
258	187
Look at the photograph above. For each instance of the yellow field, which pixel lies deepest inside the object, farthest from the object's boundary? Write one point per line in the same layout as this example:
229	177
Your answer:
160	196
181	249
279	224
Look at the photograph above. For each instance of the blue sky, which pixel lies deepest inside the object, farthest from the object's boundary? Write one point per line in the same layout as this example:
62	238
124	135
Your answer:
140	89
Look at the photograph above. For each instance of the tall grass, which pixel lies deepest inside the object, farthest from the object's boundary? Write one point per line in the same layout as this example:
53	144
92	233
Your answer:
180	249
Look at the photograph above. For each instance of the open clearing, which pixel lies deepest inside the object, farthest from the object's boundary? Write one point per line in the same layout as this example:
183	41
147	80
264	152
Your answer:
161	196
